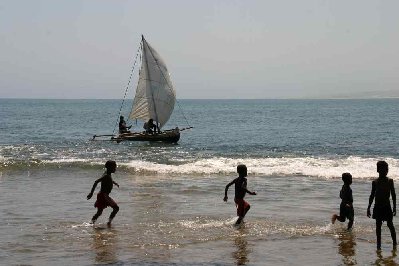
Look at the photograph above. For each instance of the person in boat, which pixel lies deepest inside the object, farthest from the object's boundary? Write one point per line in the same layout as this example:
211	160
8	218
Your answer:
346	208
103	198
381	189
150	127
122	126
240	190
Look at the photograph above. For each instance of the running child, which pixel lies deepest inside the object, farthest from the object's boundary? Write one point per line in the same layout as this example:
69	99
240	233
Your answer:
346	206
240	191
103	198
381	189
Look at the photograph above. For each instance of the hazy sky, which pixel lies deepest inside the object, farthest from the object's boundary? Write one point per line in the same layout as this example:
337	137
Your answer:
213	49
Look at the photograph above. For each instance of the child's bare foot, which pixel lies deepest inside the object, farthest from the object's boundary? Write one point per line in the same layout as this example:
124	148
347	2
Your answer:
333	218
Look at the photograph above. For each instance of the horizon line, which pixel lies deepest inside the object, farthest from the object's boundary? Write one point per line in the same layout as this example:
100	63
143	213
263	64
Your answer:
304	98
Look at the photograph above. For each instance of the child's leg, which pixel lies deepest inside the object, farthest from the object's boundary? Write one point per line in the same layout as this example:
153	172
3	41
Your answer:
344	212
378	224
243	208
247	207
337	217
351	217
334	218
393	233
240	210
240	207
350	224
99	212
239	220
113	213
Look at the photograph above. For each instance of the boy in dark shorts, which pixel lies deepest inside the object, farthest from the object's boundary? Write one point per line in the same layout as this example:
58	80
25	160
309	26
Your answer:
346	206
240	191
103	198
382	188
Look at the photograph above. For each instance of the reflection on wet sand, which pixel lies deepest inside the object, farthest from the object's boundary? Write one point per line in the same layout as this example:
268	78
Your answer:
389	260
346	248
241	253
105	245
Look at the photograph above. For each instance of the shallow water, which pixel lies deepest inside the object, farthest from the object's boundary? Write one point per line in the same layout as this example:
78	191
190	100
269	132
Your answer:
181	220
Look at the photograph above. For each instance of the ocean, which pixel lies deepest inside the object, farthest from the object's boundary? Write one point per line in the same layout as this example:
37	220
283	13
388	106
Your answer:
171	195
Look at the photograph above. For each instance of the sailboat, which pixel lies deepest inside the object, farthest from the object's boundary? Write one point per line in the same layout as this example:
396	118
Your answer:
154	99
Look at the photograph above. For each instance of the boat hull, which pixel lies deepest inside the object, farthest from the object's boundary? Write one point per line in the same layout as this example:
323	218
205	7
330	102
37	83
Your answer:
171	136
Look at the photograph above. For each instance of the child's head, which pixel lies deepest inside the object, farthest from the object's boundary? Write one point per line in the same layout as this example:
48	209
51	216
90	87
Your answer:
382	167
242	170
110	166
347	178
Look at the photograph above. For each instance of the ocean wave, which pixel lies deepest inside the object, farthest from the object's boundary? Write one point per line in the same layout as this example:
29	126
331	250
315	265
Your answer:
360	168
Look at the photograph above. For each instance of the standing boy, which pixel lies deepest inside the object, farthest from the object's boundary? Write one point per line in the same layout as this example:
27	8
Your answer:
346	207
381	190
240	191
103	198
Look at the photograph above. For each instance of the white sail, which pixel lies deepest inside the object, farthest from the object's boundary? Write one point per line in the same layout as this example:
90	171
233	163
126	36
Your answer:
155	96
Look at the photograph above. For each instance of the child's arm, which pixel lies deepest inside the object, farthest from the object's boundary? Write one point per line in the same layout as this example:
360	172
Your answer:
250	192
350	198
393	197
371	199
346	196
115	183
227	188
244	186
93	188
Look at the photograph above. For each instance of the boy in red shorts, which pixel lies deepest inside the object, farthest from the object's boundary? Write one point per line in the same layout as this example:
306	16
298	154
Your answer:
240	191
103	198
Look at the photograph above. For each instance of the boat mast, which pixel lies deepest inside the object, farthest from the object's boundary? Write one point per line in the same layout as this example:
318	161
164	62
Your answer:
149	78
139	51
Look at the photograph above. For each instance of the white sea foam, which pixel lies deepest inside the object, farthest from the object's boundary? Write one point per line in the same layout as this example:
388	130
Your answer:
73	160
305	166
359	167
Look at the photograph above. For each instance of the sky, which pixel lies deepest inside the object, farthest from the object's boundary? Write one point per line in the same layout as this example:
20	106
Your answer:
213	49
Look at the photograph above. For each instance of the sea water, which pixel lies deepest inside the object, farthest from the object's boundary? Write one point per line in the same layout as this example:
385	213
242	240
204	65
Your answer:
171	195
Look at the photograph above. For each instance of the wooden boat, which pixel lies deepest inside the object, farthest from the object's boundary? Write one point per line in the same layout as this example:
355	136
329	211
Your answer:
154	99
172	135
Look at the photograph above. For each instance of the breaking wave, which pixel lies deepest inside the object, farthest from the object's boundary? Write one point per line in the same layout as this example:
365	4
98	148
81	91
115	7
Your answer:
360	168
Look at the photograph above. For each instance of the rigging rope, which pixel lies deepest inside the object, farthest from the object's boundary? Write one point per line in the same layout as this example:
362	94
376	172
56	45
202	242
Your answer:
127	86
181	110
